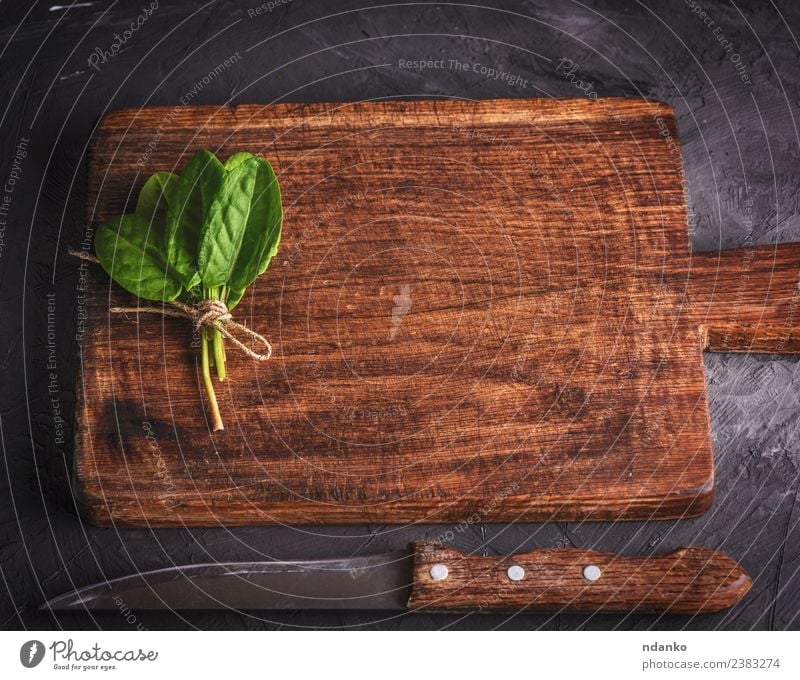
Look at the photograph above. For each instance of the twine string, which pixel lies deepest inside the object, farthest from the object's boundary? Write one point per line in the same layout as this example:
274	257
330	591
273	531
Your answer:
212	314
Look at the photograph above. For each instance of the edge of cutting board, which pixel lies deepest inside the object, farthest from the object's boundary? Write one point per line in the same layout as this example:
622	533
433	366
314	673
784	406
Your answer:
98	510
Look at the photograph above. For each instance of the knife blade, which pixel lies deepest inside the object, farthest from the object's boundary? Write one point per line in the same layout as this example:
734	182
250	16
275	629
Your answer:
432	577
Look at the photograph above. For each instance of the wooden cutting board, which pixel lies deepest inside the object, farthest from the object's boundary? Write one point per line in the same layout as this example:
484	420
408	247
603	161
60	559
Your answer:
481	311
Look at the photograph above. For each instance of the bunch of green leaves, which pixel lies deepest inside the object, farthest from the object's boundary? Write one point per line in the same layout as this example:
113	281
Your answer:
205	234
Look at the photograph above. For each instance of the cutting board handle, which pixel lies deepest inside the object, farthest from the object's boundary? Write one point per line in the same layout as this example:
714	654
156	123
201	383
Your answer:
687	581
747	299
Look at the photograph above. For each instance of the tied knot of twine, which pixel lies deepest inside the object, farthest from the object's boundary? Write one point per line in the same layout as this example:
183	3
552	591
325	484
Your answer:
210	314
206	312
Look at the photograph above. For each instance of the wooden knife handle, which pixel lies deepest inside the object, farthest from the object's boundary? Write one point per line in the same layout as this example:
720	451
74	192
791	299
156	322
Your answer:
688	581
747	299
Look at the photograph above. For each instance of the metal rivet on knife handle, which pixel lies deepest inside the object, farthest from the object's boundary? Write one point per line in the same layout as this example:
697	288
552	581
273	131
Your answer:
515	573
591	572
439	572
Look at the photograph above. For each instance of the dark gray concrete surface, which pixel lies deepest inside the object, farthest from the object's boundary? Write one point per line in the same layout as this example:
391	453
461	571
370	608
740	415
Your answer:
739	125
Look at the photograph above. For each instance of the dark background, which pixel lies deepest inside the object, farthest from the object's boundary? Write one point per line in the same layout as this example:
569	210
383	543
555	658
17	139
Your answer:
740	143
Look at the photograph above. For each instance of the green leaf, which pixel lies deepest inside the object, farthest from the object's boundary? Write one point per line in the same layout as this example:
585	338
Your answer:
234	297
196	188
237	159
243	228
130	250
157	194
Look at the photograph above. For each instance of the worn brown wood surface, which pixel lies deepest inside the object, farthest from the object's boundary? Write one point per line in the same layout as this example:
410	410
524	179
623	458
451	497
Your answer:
748	299
480	311
687	581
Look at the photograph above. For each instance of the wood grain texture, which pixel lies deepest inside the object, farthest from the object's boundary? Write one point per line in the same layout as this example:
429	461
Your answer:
479	312
687	581
748	299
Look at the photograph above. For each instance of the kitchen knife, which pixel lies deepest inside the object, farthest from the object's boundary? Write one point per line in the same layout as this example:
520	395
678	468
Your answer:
431	577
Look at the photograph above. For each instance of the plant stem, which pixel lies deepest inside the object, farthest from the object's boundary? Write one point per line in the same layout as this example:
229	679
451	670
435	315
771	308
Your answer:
224	297
217	359
216	419
219	354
